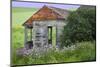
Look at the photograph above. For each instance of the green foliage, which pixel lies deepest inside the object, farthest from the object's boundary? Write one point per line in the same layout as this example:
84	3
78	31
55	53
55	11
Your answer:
84	51
81	26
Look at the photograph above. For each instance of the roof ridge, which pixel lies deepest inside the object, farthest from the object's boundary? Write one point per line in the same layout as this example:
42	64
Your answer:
55	11
58	10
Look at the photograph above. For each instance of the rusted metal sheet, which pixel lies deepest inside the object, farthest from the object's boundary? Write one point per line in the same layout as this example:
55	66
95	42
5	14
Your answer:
47	13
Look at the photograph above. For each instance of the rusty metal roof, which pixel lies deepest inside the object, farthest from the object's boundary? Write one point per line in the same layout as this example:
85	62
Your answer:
47	13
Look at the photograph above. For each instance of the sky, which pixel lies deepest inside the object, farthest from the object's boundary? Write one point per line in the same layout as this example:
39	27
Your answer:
39	5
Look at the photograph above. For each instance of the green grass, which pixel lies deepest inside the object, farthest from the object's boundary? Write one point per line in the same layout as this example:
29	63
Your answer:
22	9
84	51
20	15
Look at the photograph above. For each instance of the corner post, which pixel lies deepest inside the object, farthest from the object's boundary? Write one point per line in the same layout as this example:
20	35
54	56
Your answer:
30	34
25	35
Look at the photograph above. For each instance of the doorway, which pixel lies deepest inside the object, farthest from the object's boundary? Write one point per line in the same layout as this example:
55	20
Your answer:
49	34
52	35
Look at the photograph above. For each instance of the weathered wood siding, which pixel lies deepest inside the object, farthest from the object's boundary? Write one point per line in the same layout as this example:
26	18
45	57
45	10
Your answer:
40	29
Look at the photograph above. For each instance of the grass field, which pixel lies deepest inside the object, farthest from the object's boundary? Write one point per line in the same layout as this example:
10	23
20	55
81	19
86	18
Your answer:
84	51
19	16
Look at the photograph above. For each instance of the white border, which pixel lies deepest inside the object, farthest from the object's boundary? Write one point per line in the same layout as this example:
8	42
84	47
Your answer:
5	33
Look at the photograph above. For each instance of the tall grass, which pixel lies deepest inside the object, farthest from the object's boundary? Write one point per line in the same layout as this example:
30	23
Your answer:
84	51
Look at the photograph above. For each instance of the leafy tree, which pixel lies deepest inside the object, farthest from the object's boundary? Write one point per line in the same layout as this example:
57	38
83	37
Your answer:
81	26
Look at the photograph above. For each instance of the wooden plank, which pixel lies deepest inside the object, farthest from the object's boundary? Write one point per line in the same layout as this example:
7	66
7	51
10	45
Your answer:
25	35
30	34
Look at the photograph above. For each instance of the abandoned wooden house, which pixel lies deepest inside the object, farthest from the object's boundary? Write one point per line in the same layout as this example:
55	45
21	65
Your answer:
40	26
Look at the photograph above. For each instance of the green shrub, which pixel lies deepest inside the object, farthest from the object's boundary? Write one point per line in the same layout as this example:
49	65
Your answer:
81	26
